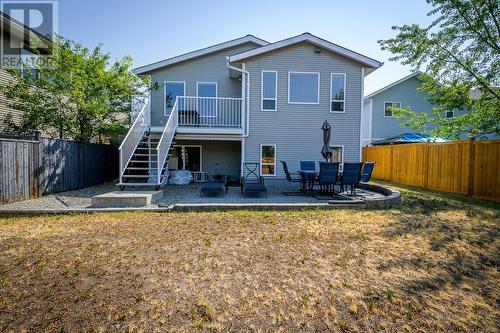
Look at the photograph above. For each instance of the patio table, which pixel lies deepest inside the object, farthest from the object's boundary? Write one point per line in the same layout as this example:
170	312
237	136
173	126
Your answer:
308	178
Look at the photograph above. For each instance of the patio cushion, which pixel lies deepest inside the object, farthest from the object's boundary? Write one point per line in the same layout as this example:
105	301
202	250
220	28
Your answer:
254	187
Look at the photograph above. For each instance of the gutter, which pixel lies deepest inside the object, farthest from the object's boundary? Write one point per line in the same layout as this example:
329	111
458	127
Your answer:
247	92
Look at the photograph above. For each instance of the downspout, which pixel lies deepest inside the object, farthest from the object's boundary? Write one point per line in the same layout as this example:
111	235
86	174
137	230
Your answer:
247	104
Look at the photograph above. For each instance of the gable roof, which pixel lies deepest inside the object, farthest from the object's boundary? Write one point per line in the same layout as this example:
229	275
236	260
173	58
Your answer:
18	30
307	37
199	53
412	75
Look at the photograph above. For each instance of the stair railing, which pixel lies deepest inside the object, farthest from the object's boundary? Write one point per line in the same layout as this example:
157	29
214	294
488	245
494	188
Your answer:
141	123
167	137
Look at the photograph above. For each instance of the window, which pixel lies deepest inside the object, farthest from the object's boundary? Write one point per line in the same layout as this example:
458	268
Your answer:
337	155
268	90
303	88
172	90
268	160
207	107
450	114
337	92
388	106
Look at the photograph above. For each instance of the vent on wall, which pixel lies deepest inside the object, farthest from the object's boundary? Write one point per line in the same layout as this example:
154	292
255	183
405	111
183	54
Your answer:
317	49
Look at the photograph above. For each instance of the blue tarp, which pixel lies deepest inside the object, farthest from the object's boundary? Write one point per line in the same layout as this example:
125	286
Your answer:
408	138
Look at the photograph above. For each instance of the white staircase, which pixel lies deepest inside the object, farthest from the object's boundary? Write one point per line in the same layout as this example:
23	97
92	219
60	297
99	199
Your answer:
144	154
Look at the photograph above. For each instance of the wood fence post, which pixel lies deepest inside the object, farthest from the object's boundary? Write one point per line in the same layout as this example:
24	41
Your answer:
470	187
426	165
392	162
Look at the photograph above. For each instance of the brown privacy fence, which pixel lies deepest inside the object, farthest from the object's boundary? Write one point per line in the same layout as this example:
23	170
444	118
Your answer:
29	169
464	167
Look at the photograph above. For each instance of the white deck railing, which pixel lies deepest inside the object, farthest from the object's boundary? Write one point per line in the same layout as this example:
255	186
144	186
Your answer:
134	135
166	138
210	112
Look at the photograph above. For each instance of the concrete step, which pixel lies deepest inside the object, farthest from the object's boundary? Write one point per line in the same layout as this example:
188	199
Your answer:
126	198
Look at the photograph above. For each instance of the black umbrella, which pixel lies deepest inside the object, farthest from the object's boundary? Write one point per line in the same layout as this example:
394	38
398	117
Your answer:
327	134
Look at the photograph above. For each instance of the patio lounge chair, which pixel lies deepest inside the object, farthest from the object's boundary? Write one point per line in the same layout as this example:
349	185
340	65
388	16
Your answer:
251	182
215	184
307	165
296	179
351	176
328	177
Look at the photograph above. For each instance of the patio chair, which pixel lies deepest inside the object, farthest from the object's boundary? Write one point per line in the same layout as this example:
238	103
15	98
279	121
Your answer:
215	184
307	165
366	174
252	182
351	176
292	179
328	176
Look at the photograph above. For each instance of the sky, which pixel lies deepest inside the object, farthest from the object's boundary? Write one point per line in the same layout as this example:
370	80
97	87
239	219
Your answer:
152	30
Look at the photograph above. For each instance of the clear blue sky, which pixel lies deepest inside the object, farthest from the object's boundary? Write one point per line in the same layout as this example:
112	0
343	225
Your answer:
151	30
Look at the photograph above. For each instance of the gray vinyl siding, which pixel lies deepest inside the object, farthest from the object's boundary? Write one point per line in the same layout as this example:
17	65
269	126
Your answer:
407	93
209	68
7	113
218	157
296	128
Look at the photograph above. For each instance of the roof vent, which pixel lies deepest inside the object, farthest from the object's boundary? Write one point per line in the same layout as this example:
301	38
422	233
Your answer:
317	49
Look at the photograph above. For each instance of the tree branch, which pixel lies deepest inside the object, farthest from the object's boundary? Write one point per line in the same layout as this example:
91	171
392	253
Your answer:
493	15
470	71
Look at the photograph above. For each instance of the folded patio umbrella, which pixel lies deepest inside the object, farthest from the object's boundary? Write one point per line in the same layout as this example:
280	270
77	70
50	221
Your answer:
327	134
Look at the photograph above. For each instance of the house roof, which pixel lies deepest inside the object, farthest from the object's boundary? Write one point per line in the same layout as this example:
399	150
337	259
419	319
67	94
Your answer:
408	138
307	37
18	30
414	74
199	53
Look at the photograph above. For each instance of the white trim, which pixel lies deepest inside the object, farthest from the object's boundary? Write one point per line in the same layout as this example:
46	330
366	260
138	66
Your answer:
342	159
417	73
392	102
307	37
371	122
216	95
199	53
345	85
201	154
275	159
361	116
262	91
319	84
165	94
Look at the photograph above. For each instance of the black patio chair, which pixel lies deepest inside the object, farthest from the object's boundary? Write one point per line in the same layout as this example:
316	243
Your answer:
252	182
366	174
351	176
328	176
214	184
292	179
308	165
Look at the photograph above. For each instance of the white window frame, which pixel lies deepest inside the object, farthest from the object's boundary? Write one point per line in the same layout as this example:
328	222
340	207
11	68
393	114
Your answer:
216	96
452	113
331	95
392	115
342	159
165	94
275	159
319	84
275	99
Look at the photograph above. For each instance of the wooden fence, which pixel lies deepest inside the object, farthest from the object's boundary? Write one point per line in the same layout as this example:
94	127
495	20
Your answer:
464	167
29	169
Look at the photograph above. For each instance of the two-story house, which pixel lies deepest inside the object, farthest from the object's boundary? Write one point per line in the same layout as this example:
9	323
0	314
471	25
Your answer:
246	100
378	121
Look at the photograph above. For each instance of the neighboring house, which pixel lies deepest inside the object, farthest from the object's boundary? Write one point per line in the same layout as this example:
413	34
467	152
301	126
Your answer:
13	33
378	122
247	100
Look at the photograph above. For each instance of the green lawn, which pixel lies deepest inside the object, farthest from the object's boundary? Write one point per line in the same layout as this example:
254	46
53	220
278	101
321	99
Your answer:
430	265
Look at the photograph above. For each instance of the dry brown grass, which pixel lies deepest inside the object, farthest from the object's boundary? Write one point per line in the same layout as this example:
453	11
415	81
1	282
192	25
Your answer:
430	265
